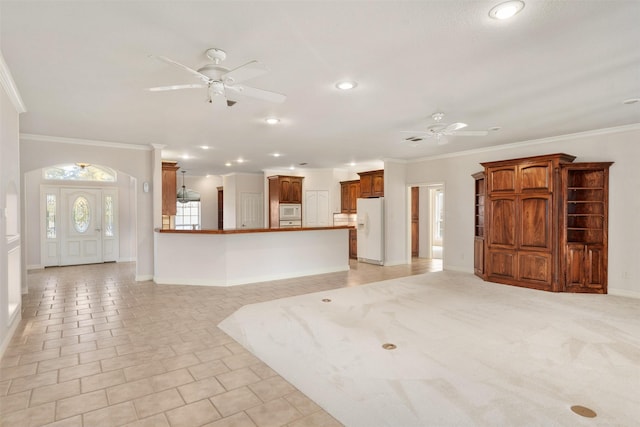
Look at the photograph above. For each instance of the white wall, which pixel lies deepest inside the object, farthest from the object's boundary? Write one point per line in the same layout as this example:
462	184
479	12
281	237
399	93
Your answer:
135	161
12	277
396	211
618	145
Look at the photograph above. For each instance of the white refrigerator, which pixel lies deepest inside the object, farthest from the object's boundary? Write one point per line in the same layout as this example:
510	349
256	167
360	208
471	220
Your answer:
371	230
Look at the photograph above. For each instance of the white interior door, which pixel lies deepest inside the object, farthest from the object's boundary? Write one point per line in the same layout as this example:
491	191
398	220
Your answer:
251	210
81	221
316	208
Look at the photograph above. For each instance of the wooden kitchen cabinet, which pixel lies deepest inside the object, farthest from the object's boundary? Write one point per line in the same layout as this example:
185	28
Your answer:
541	222
372	183
286	189
353	243
283	189
349	193
169	187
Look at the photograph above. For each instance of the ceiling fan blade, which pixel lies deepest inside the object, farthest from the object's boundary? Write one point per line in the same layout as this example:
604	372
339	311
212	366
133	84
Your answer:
244	72
454	127
175	87
424	133
184	67
470	133
262	94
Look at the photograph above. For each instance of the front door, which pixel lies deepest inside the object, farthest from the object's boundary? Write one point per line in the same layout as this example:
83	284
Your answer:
81	237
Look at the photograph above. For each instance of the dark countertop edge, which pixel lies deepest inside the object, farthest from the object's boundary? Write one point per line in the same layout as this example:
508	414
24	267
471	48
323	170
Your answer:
254	230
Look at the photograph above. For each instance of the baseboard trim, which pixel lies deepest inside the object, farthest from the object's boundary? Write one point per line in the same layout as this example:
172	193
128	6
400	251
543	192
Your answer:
246	280
144	277
10	332
624	293
35	267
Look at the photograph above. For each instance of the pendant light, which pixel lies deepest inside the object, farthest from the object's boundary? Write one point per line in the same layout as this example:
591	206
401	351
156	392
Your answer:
182	193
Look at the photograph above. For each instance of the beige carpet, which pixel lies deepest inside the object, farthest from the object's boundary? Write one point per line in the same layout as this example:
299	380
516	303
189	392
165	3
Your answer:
469	353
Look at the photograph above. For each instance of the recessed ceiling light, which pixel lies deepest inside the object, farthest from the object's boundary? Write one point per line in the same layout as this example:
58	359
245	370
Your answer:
240	160
276	154
185	156
506	10
346	85
272	120
292	167
352	163
228	164
204	147
631	101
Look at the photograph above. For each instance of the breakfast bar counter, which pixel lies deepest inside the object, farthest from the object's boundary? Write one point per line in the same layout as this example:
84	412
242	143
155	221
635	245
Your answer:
240	256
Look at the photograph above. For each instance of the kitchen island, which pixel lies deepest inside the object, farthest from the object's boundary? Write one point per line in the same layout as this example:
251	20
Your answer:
235	257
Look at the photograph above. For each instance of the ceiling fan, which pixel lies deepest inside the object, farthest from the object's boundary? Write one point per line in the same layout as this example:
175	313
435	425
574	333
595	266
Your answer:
223	84
440	130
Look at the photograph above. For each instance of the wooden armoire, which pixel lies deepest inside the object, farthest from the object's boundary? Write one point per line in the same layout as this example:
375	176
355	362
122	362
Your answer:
541	223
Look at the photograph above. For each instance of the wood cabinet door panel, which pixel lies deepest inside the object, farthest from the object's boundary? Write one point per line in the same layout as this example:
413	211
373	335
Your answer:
478	256
169	188
501	264
344	198
535	222
295	194
354	193
534	267
285	190
366	186
535	177
353	244
574	274
502	179
502	229
377	185
595	276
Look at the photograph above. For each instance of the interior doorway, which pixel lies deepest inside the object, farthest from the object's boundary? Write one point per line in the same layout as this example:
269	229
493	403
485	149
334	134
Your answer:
427	221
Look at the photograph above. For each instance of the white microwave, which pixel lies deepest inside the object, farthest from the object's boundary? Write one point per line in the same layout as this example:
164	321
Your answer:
290	212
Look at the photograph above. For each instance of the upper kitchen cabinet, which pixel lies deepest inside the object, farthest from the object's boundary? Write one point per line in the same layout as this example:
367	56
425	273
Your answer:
349	191
285	189
372	183
169	188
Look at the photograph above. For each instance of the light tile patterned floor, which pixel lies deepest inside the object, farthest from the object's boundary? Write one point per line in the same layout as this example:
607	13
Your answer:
96	348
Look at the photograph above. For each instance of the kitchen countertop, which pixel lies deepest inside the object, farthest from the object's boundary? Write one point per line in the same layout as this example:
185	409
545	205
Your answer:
254	230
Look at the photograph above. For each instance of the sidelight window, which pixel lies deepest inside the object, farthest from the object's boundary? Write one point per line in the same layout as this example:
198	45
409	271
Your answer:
50	218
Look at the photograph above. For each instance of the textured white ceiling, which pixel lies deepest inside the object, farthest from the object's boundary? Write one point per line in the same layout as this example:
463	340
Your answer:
558	67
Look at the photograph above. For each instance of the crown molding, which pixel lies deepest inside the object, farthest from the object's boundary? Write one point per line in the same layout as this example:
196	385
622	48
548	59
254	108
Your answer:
526	143
79	141
9	86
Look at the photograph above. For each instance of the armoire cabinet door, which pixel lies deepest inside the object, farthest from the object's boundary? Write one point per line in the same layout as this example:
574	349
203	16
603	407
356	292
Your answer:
535	222
534	177
502	228
535	268
501	264
501	179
